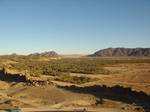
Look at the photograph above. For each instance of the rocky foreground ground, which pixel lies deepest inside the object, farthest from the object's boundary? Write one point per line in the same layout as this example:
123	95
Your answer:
125	90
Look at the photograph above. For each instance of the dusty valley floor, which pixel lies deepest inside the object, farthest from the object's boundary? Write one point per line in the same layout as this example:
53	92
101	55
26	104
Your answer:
125	89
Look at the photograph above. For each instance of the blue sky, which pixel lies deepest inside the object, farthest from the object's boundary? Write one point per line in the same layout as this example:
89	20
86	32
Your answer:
73	26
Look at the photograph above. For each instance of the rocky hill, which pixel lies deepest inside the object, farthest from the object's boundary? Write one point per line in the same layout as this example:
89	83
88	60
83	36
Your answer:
45	54
119	52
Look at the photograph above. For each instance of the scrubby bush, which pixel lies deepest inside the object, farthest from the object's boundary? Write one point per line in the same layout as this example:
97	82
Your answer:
74	79
68	65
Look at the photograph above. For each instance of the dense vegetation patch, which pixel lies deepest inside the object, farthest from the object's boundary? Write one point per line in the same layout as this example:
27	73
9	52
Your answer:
54	67
74	79
36	67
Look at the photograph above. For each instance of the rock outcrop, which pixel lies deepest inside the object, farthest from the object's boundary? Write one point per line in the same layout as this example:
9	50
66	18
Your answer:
11	76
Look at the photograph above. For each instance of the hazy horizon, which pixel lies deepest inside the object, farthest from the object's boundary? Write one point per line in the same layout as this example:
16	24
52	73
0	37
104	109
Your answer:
65	54
73	26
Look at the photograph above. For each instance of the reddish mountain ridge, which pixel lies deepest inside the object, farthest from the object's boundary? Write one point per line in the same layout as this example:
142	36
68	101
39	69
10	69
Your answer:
117	52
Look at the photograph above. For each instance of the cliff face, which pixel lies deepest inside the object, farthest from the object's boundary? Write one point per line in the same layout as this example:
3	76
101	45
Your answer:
117	52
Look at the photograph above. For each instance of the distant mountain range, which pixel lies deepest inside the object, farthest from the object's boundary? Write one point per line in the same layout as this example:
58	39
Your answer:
120	52
45	54
108	52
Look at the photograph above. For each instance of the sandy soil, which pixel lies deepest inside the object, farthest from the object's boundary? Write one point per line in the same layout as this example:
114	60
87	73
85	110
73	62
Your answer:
49	97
